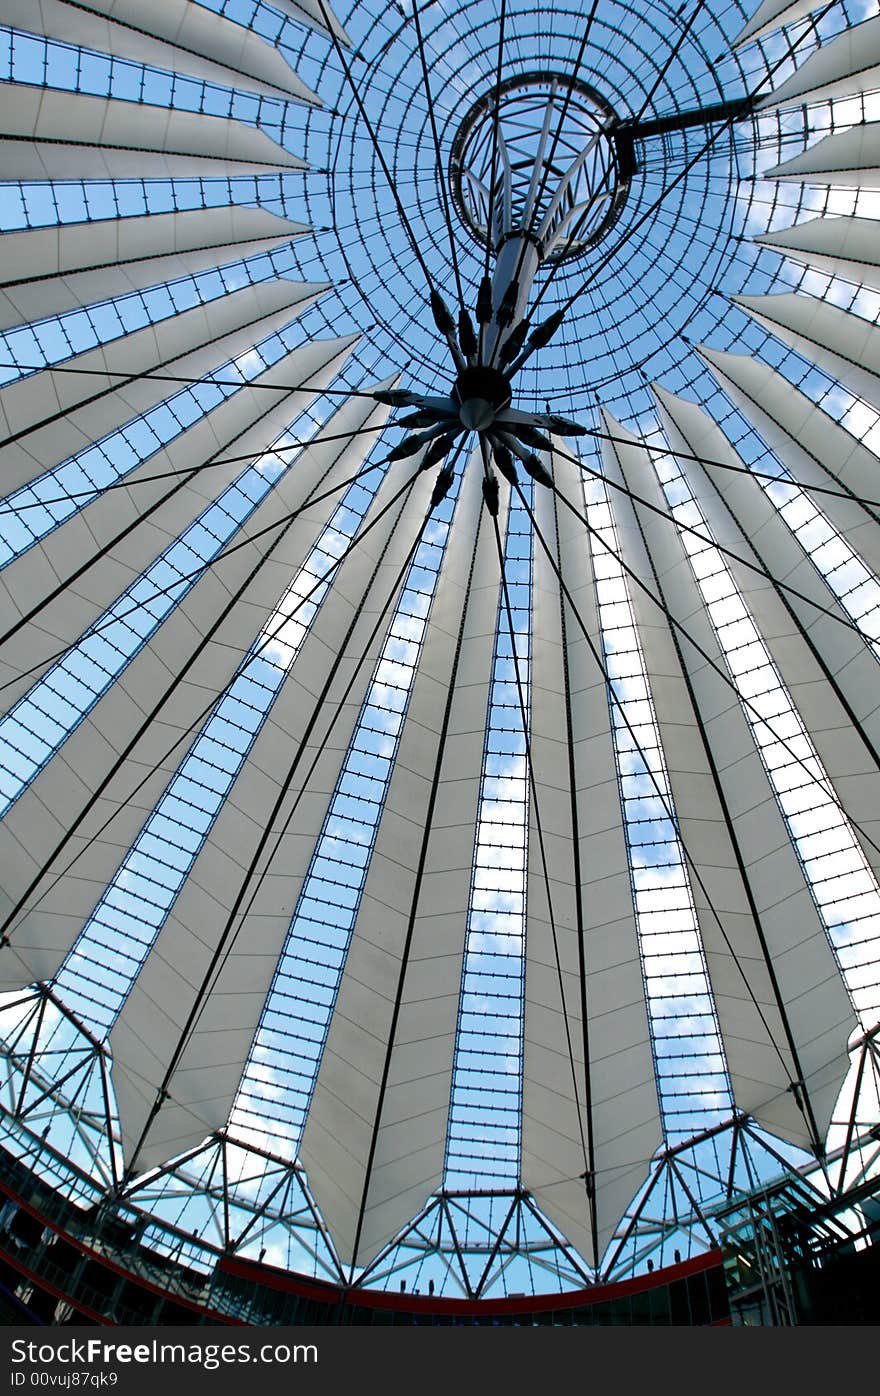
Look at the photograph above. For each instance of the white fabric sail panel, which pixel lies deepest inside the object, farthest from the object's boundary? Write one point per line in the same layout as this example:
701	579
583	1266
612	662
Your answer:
588	1072
559	1132
845	66
845	247
830	672
316	14
49	416
783	1011
49	271
773	13
375	1138
810	444
189	1021
849	159
48	135
844	345
64	584
64	249
176	36
141	727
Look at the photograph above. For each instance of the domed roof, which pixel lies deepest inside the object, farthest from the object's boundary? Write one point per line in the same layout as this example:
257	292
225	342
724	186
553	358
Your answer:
439	558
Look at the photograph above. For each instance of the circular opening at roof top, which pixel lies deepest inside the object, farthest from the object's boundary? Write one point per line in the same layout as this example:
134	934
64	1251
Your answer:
555	164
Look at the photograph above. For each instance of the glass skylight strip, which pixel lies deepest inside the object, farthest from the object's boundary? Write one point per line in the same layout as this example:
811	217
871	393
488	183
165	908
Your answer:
32	60
33	512
483	1145
97	974
37	205
46	343
279	1078
854	585
859	417
691	1070
42	721
843	887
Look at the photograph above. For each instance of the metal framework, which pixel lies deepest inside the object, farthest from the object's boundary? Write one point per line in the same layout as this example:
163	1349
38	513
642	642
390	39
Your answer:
580	186
721	1188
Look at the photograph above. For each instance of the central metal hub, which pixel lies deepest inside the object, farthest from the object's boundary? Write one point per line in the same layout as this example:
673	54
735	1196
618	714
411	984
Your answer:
551	173
480	393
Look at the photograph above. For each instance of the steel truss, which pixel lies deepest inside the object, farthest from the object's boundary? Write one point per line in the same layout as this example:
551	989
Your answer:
233	1196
